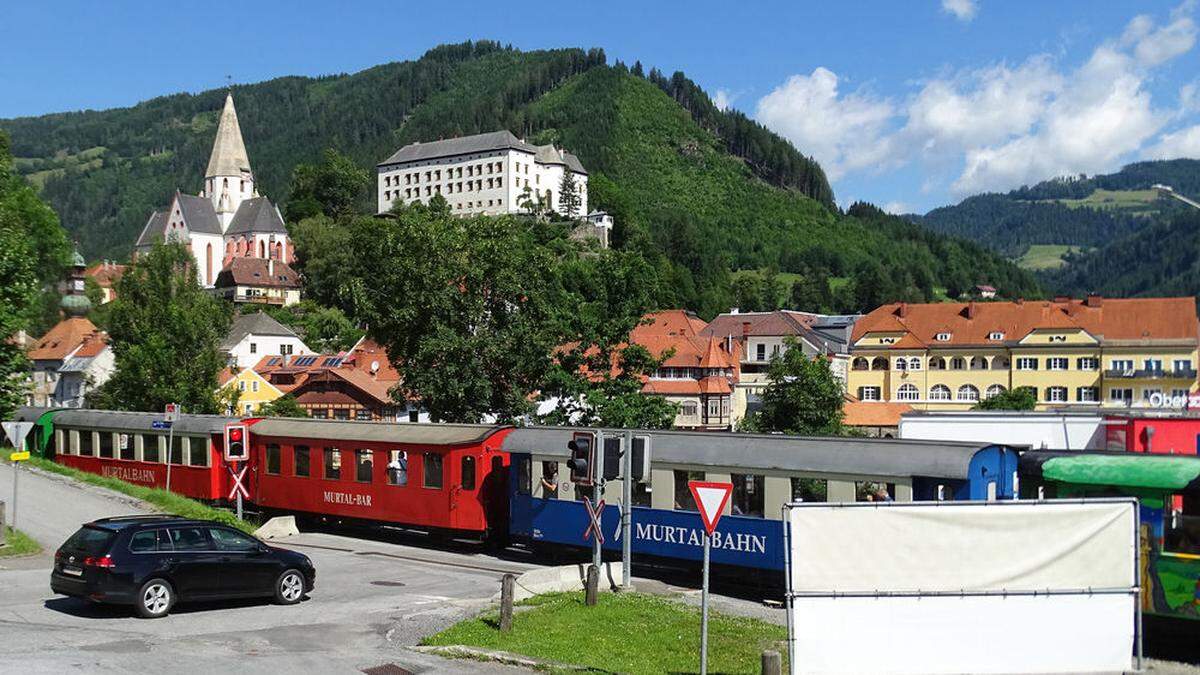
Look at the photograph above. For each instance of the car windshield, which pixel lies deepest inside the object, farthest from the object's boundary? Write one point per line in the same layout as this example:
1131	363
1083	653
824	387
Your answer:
93	540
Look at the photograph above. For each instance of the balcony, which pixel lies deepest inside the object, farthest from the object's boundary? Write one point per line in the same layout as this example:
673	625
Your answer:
1156	374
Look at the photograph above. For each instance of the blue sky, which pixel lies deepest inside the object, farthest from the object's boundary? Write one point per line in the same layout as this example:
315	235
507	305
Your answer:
909	105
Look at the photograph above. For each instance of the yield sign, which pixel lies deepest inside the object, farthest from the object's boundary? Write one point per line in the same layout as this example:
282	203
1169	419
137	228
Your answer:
710	500
17	431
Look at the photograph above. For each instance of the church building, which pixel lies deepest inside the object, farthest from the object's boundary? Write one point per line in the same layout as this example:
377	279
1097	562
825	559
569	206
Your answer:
228	219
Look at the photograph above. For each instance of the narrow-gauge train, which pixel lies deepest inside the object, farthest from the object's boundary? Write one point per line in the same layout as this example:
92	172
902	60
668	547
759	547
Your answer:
489	481
1167	488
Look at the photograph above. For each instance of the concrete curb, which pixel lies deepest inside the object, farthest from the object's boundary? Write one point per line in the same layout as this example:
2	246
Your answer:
277	528
497	656
563	578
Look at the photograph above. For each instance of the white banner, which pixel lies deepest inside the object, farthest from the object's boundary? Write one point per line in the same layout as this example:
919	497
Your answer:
972	587
970	546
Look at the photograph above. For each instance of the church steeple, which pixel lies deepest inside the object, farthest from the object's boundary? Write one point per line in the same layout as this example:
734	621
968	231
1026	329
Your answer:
228	180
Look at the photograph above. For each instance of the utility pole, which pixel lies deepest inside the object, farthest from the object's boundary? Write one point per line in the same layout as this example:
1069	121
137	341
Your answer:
627	512
597	495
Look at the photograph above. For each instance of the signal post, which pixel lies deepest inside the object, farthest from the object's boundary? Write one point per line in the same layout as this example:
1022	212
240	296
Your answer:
237	454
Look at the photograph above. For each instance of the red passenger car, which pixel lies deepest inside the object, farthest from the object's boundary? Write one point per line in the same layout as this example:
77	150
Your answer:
126	445
443	478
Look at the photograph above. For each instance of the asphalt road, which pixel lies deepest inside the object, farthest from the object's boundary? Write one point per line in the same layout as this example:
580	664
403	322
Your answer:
371	601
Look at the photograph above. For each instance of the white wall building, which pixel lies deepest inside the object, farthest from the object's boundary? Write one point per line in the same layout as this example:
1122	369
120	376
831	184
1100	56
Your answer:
254	336
485	173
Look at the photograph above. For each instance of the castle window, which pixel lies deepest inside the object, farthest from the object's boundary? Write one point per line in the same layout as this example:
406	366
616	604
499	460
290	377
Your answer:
939	392
1056	394
868	393
937	363
994	391
907	392
968	393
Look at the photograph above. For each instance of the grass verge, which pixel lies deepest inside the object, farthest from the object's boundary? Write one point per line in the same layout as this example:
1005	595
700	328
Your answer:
17	543
624	632
166	501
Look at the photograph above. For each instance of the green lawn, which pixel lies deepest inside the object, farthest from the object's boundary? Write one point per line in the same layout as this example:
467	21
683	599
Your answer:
1131	200
166	501
1045	256
624	632
17	543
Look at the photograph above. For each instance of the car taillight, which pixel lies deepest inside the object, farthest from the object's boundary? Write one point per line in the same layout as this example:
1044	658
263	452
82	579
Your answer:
104	561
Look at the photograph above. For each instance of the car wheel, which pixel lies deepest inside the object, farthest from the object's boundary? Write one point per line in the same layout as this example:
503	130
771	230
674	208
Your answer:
289	587
155	599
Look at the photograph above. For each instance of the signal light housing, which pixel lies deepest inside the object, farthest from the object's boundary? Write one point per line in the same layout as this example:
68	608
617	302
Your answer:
583	458
237	449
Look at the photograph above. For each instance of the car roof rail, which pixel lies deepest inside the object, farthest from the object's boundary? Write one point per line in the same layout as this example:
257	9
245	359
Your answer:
148	516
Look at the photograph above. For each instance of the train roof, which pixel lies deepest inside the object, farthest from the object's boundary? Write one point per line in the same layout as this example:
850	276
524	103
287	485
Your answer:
133	422
1177	473
823	455
375	432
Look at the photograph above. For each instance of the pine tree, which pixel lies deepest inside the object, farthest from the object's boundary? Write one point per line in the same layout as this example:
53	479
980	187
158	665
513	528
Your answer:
568	198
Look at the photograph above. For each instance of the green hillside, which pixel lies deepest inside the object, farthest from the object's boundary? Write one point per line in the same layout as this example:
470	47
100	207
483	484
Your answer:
703	191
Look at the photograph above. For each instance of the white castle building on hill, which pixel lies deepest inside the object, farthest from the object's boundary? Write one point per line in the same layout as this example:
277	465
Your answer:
485	173
228	219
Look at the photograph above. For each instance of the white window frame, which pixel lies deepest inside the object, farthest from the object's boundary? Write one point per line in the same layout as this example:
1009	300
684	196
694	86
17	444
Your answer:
871	394
1186	364
942	337
1053	394
1092	394
1121	364
1114	391
900	363
1146	363
994	390
908	392
1053	363
1023	362
940	392
914	363
958	395
1087	363
996	335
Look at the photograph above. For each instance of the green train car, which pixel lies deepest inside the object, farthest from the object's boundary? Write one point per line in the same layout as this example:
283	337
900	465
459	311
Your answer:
1167	488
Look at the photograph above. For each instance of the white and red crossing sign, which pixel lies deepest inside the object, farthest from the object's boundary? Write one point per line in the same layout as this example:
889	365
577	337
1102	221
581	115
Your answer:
171	412
239	489
711	499
594	514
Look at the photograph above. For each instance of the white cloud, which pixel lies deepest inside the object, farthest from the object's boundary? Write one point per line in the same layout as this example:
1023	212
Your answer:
1182	143
723	99
963	10
898	208
845	132
1152	45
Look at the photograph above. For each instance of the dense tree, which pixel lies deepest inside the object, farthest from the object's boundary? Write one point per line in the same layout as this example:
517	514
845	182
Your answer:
568	196
284	406
335	187
165	331
802	396
1020	398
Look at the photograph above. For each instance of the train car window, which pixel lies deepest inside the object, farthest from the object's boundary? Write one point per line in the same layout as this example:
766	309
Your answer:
810	489
106	444
549	480
273	458
683	496
868	491
397	468
333	463
125	446
522	467
150	451
747	497
176	454
85	444
1182	534
300	460
641	494
198	452
364	466
341	414
468	472
432	470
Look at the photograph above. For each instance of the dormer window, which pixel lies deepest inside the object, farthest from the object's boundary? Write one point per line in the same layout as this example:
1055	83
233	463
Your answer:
942	337
996	335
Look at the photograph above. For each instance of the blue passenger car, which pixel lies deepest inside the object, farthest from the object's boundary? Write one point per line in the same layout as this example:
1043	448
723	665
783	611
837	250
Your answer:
767	471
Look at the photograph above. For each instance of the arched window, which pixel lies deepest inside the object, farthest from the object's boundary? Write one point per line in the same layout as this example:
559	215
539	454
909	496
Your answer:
939	392
958	363
279	251
968	393
901	363
208	277
860	363
262	249
937	363
994	390
1001	363
879	363
978	363
914	363
907	392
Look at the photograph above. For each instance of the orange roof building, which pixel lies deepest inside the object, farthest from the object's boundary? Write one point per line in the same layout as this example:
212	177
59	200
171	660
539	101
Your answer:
699	372
1102	352
106	274
70	360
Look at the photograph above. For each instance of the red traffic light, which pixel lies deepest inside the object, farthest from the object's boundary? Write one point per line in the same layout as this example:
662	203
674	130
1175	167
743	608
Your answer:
235	434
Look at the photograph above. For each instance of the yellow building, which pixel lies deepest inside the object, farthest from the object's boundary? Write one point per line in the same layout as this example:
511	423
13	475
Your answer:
1139	352
253	390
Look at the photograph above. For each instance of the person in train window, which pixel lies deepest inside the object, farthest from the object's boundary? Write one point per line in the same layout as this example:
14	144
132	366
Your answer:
398	468
550	480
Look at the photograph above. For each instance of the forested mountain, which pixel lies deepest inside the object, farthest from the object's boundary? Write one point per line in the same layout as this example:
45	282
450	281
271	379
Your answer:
704	191
1075	211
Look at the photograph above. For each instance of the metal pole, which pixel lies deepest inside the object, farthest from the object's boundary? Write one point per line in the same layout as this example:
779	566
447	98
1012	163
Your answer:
236	466
704	610
170	447
627	514
597	491
16	470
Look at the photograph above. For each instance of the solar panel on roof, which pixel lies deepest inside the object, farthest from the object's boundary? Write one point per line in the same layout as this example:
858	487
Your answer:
274	361
333	361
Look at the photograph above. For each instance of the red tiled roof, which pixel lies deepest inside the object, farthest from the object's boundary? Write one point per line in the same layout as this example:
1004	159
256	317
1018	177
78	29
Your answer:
873	413
106	274
715	384
92	345
1138	319
257	272
65	337
672	387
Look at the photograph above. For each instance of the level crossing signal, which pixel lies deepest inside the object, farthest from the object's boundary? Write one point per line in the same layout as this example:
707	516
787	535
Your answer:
583	458
236	449
613	461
